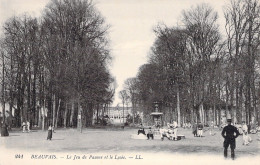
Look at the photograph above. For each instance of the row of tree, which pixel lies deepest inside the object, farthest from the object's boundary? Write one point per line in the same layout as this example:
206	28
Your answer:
55	68
197	73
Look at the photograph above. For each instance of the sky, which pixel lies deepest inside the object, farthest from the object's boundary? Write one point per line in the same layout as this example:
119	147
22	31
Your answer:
132	21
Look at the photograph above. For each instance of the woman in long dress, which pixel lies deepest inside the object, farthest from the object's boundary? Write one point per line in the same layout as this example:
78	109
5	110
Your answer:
49	137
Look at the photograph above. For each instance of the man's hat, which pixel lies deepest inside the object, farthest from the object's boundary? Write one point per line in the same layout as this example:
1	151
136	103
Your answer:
229	120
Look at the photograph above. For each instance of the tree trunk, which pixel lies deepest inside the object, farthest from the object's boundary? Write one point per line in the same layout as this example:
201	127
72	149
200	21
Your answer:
34	99
57	115
43	116
72	113
79	125
97	112
178	107
65	115
53	110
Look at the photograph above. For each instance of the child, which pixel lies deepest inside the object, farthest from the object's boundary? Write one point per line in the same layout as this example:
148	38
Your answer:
24	126
28	126
246	139
50	130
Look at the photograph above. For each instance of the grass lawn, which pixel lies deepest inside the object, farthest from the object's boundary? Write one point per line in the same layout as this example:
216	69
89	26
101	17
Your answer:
101	142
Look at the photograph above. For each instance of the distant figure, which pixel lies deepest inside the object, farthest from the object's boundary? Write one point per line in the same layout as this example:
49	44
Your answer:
185	125
189	125
141	130
170	131
28	126
244	127
24	126
164	132
4	130
253	128
245	132
247	139
239	128
211	127
150	134
50	130
200	129
258	135
194	130
230	138
175	129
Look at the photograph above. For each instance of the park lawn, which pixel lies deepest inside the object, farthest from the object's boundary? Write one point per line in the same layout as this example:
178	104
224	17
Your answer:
107	140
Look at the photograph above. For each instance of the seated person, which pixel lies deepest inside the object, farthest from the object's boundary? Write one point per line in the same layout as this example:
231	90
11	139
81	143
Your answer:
150	134
141	130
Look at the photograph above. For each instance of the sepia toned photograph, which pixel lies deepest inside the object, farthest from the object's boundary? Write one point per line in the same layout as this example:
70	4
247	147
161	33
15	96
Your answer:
129	82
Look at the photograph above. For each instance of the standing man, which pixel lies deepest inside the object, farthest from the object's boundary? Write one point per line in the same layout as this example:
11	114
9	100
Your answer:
230	138
194	129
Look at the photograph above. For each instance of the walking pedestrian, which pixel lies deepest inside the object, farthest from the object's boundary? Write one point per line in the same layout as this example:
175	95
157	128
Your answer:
230	138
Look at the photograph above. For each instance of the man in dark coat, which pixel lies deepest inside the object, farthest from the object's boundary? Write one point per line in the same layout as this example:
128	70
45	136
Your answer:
230	139
194	129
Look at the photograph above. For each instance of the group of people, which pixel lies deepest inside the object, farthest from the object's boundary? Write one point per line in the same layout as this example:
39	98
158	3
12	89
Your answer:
197	129
26	128
170	132
229	133
150	133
